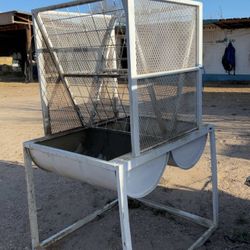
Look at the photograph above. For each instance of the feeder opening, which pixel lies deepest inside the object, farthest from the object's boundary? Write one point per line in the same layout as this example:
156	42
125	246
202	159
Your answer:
98	143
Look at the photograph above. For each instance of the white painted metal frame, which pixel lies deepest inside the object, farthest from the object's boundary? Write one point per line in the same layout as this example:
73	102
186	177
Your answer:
64	5
42	80
123	164
199	87
132	81
121	167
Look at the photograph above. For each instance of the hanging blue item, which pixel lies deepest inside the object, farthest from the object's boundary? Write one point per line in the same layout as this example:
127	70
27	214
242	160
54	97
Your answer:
228	59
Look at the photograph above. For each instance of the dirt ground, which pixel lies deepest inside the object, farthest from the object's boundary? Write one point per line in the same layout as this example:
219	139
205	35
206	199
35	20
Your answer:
62	201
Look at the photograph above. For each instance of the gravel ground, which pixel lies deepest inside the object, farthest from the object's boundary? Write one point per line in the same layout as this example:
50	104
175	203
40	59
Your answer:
62	201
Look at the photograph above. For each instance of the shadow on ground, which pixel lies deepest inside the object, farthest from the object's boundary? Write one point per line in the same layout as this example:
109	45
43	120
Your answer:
62	201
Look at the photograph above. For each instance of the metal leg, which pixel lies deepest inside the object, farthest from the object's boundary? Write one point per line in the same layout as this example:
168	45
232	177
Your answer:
215	202
123	208
214	177
31	199
36	244
210	224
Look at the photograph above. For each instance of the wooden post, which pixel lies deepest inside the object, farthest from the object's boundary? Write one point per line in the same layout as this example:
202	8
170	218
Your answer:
29	64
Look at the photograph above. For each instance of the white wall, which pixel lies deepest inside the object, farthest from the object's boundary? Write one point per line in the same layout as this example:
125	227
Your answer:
214	50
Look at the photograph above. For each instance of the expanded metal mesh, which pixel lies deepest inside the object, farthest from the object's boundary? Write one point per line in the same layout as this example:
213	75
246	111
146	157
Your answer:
166	40
167	107
166	36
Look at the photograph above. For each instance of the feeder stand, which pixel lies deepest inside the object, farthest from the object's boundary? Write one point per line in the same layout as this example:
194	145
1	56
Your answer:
121	94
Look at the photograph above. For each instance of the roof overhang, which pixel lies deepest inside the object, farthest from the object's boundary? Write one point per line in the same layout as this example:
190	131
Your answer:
13	17
232	23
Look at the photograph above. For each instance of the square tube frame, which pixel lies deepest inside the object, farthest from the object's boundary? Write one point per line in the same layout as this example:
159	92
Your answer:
121	174
133	77
122	201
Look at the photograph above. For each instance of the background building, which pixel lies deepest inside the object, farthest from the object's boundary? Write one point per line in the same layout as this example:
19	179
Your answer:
16	45
217	35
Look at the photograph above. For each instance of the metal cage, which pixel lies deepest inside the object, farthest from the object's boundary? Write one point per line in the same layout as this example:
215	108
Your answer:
121	94
98	71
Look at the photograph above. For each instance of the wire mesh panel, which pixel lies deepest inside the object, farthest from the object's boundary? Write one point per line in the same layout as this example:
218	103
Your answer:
167	107
166	36
166	42
59	112
82	49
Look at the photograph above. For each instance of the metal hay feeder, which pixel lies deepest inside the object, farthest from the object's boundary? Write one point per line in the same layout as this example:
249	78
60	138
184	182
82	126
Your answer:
121	98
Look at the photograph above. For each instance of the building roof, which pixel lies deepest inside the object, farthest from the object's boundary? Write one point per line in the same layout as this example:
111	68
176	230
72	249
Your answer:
16	11
231	23
11	17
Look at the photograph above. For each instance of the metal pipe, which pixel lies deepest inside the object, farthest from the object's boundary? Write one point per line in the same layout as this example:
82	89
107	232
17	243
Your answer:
63	5
42	80
72	228
186	215
94	75
200	64
123	207
133	96
181	2
214	176
31	199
